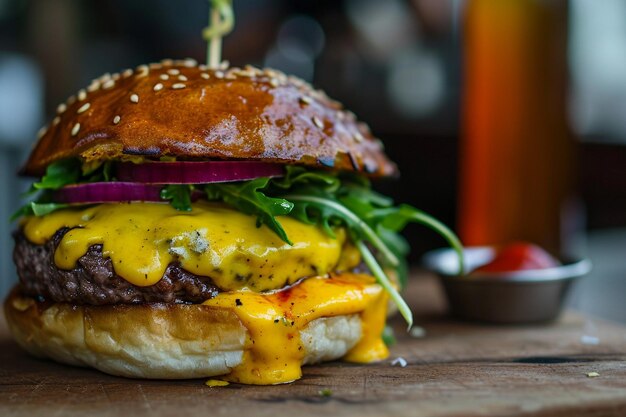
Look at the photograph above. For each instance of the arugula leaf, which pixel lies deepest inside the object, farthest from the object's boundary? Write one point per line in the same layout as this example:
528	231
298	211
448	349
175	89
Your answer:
365	196
396	218
369	217
327	208
321	215
388	336
59	174
383	280
399	246
179	196
378	212
103	172
300	176
37	209
249	198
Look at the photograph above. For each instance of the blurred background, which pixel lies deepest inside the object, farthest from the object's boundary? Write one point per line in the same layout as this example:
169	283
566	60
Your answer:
507	118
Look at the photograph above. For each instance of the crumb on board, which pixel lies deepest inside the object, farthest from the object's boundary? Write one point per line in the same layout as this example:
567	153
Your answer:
593	375
417	332
399	362
589	340
216	383
325	392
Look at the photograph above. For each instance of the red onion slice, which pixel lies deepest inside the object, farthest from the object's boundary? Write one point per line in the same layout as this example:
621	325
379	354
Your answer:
107	192
202	172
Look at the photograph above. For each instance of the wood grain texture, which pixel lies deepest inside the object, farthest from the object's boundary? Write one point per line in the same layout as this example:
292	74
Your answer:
456	369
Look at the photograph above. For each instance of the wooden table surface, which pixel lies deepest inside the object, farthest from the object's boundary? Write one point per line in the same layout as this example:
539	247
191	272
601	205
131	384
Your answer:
456	369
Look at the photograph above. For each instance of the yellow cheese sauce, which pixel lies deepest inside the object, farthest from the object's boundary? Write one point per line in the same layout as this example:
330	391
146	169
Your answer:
274	350
213	240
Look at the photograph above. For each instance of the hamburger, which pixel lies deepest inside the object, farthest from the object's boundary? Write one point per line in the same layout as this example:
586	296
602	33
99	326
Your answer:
193	222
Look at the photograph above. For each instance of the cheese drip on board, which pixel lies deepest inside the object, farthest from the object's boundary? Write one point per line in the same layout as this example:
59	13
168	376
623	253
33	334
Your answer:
274	351
213	240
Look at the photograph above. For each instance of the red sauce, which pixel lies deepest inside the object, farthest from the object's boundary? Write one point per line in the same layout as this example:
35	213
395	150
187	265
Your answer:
519	256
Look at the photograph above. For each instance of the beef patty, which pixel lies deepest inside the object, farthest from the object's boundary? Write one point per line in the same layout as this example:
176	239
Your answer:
93	280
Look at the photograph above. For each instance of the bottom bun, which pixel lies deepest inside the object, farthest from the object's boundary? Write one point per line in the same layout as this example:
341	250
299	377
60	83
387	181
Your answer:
160	341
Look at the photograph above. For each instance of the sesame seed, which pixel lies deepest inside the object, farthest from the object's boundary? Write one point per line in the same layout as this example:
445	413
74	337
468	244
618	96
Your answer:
75	129
42	132
164	77
203	67
142	70
108	84
116	119
134	98
178	86
364	127
173	71
158	87
358	137
230	76
127	73
401	362
274	82
61	108
71	99
317	122
224	65
95	85
182	78
190	62
253	70
334	103
296	81
115	76
56	120
306	99
82	94
167	62
105	77
205	75
83	108
155	65
219	74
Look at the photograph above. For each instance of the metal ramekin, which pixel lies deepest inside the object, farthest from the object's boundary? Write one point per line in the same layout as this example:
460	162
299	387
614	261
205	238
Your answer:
514	297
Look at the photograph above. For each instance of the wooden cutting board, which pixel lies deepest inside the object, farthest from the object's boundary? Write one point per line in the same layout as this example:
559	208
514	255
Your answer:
455	369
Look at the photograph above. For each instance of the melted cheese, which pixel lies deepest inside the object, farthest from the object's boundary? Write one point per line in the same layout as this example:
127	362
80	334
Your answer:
274	351
142	239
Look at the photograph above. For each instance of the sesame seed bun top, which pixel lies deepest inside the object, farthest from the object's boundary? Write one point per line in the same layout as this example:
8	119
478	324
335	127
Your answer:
184	110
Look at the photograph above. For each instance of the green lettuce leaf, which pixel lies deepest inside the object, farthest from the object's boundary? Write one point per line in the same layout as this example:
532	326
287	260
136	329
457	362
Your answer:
60	174
395	219
37	209
249	197
179	196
